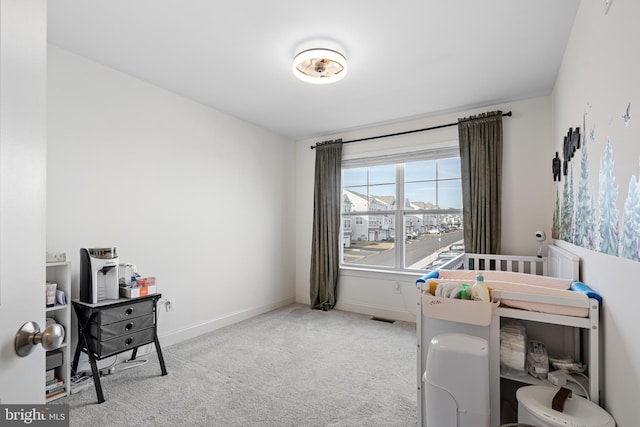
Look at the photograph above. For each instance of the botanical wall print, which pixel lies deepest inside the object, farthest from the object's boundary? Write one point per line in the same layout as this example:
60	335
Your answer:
585	206
630	240
566	217
607	198
555	228
608	225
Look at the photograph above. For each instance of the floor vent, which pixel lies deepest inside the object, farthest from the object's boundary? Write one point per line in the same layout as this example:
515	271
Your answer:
380	319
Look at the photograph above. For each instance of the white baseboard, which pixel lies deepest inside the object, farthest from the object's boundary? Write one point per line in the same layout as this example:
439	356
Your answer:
303	299
369	310
376	311
177	336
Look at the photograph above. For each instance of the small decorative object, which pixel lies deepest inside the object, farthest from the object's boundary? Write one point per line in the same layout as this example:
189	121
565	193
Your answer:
540	237
556	167
51	294
627	115
570	145
575	140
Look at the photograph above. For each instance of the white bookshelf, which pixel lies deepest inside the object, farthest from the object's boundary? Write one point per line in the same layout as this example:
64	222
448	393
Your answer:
60	273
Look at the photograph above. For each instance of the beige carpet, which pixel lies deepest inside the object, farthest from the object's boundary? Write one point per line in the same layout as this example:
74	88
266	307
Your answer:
290	367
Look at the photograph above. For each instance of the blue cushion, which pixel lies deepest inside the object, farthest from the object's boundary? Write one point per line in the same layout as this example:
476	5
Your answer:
430	275
581	287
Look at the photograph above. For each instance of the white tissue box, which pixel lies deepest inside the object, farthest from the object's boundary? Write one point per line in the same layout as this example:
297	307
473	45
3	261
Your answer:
129	292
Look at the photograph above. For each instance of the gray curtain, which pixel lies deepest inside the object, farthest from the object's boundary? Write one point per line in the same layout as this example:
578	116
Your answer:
481	166
325	250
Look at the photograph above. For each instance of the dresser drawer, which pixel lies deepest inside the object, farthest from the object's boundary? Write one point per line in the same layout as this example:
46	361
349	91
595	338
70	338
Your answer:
123	327
119	344
126	311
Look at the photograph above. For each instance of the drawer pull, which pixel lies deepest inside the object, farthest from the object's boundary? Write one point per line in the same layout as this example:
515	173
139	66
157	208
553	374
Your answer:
128	341
129	311
128	326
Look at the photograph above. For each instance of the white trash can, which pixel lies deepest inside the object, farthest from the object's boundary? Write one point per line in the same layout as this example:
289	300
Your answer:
534	407
457	381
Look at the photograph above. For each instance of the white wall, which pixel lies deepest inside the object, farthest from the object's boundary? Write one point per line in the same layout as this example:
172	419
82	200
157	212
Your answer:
199	199
526	169
599	74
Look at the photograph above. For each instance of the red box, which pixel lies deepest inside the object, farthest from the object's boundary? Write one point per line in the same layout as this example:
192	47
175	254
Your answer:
144	282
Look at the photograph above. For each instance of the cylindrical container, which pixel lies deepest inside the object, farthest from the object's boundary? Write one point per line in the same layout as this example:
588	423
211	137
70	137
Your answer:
456	381
51	294
479	290
534	407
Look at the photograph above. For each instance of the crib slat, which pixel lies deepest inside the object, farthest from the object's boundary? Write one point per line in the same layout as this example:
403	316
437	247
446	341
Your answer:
520	264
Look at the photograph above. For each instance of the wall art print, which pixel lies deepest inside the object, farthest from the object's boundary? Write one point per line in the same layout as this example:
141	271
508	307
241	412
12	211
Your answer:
590	211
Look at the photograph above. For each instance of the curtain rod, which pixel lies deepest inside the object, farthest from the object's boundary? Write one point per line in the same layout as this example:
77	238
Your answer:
509	114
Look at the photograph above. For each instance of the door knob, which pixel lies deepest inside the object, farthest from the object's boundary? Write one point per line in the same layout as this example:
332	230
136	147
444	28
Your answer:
29	336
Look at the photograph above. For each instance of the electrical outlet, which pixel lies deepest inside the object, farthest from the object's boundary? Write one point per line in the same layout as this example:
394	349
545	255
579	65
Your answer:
170	305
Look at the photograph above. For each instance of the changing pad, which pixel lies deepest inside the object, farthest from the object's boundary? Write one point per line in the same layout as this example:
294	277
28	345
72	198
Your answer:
521	283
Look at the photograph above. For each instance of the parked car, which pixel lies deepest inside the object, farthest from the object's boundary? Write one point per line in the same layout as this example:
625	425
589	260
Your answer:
458	247
437	263
448	254
433	230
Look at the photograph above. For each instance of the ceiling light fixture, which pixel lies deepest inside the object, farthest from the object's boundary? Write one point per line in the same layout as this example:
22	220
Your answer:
320	66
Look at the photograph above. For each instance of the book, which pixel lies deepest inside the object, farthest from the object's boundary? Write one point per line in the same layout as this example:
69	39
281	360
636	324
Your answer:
54	385
57	387
56	394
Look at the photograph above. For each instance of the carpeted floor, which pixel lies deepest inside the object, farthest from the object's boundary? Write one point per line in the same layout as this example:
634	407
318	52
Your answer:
290	367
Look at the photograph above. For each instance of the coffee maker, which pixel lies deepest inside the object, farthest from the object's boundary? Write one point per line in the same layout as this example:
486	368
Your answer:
98	274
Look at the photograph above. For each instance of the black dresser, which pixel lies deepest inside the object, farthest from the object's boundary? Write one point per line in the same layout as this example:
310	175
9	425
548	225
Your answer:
115	326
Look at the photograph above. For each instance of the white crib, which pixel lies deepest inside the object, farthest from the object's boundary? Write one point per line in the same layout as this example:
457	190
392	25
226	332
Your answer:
558	263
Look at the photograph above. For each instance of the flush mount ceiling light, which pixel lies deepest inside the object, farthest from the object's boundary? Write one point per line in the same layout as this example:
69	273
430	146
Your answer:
319	66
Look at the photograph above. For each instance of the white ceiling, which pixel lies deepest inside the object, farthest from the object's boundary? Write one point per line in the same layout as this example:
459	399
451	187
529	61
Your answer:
407	58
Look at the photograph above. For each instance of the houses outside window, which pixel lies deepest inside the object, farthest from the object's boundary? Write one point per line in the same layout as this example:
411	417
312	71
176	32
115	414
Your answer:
412	234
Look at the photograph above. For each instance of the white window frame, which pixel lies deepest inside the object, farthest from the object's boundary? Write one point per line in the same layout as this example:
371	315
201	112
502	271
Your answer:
447	150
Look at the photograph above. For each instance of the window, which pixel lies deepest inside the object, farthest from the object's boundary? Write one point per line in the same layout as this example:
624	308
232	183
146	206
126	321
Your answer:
416	233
